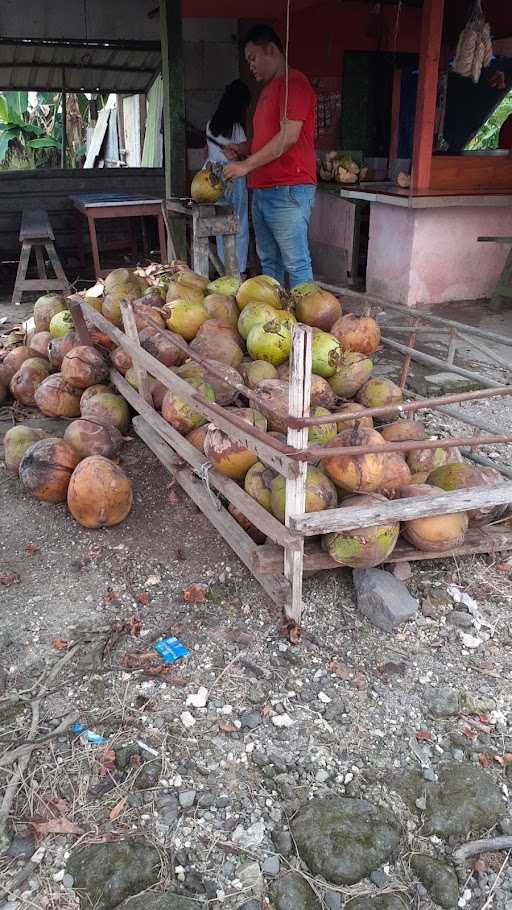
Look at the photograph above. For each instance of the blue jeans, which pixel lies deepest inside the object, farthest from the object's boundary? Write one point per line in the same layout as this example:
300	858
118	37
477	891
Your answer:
236	194
281	216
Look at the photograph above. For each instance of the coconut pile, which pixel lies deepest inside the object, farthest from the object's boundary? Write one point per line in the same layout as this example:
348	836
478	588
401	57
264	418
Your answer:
242	334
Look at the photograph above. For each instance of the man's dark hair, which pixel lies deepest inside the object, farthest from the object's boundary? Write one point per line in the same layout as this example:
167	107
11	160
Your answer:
262	35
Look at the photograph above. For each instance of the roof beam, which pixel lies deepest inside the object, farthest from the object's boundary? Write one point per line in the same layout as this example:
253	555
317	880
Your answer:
80	66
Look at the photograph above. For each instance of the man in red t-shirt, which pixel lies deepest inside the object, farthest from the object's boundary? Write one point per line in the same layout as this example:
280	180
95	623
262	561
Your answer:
280	160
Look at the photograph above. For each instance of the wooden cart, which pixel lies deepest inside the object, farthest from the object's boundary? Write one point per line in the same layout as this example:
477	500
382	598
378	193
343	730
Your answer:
291	549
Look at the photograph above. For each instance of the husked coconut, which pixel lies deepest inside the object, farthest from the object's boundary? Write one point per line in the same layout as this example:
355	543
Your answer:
357	333
320	493
356	473
25	382
227	455
353	371
90	437
433	533
107	407
403	430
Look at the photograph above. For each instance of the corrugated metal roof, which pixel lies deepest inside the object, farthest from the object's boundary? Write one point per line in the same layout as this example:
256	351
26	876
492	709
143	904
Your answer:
123	67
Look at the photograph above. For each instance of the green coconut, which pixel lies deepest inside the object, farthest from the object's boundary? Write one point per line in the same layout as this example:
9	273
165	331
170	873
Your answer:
352	373
185	317
258	370
379	392
61	324
258	484
254	314
322	433
16	442
362	548
222	308
426	460
462	476
326	354
270	342
227	286
45	308
109	407
260	289
320	493
181	415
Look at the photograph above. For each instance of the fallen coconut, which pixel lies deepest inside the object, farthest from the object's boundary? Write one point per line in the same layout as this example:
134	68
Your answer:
90	437
320	434
356	473
379	392
46	468
269	341
59	347
217	340
226	286
273	395
227	455
258	484
61	324
254	314
45	308
362	548
353	371
261	289
84	366
403	430
180	414
197	437
26	380
462	476
12	363
92	391
397	474
57	398
352	407
38	344
257	370
326	354
321	394
218	306
314	306
121	361
224	393
107	407
434	533
162	347
99	493
16	442
320	493
426	460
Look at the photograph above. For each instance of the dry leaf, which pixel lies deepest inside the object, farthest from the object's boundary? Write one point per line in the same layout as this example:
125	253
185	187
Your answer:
32	548
166	674
116	811
291	631
9	578
479	866
504	567
60	644
227	728
111	597
504	760
134	626
135	660
107	761
485	760
424	736
194	595
339	669
54	826
360	682
470	734
267	711
142	598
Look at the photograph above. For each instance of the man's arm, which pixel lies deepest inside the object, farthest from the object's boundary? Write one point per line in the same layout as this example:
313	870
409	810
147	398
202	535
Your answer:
284	140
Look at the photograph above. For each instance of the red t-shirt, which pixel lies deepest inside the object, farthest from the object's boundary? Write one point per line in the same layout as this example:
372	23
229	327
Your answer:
298	164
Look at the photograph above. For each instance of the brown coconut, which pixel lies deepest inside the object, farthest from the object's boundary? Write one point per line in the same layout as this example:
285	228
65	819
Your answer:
322	395
107	407
362	548
356	473
257	370
273	403
403	430
90	437
25	382
379	392
99	493
12	363
3	393
227	455
121	361
434	533
161	347
45	308
320	493
224	393
197	437
426	460
316	307
46	468
38	344
84	366
462	476
357	333
179	413
92	391
141	311
258	484
352	373
283	370
223	308
16	442
59	347
353	408
216	339
397	474
158	391
57	398
254	533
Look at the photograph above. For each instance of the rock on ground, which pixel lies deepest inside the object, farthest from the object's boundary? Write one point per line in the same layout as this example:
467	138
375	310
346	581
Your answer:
106	874
292	892
380	902
442	702
165	900
383	599
438	878
344	839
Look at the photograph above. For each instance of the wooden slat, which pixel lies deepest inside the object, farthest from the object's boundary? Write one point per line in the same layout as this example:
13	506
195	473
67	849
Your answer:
259	516
49	284
35	225
471	172
442	503
277	588
269	559
266	452
141	374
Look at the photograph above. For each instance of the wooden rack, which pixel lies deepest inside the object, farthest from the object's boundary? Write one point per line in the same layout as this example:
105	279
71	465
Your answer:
290	550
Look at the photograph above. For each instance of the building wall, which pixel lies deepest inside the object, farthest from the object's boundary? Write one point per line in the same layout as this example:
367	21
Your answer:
211	61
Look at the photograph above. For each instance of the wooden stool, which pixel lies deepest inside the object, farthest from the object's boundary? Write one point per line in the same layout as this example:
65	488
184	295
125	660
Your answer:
504	286
209	221
36	231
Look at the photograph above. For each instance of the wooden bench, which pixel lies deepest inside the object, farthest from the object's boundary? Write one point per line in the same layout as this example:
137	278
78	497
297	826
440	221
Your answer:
504	286
36	231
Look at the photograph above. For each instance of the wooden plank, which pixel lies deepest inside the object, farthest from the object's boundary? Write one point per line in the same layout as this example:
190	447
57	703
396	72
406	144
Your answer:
471	172
442	503
97	137
140	372
263	520
171	40
295	493
56	265
21	282
277	588
268	559
79	322
430	50
235	428
213	227
231	263
152	152
35	225
49	284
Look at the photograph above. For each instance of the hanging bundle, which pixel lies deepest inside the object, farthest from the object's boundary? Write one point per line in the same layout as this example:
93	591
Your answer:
474	48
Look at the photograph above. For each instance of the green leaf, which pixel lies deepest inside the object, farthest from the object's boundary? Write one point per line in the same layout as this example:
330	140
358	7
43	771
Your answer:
5	138
47	142
18	101
4	107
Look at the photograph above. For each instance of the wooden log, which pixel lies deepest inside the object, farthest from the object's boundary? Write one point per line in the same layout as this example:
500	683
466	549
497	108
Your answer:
269	451
401	509
75	306
141	373
269	559
295	493
229	488
173	76
277	588
217	226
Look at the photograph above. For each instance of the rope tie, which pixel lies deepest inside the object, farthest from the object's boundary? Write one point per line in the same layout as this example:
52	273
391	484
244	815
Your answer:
204	476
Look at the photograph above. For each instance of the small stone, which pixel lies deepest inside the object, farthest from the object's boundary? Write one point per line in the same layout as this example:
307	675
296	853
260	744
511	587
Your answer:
283	842
282	720
438	878
38	856
292	892
228	869
251	905
421	803
68	880
460	619
153	580
159	900
21	848
250	720
197	699
109	873
250	837
442	702
59	876
505	825
206	800
458	755
383	599
332	900
187	798
402	570
251	878
324	698
474	703
429	774
271	865
322	776
187	719
379	877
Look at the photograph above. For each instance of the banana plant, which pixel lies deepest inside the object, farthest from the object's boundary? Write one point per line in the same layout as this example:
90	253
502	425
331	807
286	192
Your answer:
17	131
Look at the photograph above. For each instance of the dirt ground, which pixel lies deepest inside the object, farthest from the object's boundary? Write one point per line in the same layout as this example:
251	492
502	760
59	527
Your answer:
356	699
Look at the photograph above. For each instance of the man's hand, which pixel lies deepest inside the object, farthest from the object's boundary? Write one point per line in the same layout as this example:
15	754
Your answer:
231	152
235	169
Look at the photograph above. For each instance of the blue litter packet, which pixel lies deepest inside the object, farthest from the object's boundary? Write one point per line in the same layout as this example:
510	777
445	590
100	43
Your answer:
88	735
170	649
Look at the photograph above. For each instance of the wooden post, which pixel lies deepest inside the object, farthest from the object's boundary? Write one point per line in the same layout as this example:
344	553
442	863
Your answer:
298	406
171	38
63	162
395	112
430	49
140	371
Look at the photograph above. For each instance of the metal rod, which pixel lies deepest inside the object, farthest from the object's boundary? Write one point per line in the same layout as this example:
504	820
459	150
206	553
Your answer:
408	311
316	452
429	360
405	407
64	121
485	350
487	462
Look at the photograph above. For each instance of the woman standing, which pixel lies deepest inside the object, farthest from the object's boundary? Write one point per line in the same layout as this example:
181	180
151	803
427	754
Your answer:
227	127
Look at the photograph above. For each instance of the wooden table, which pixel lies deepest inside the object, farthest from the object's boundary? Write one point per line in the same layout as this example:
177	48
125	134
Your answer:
117	205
